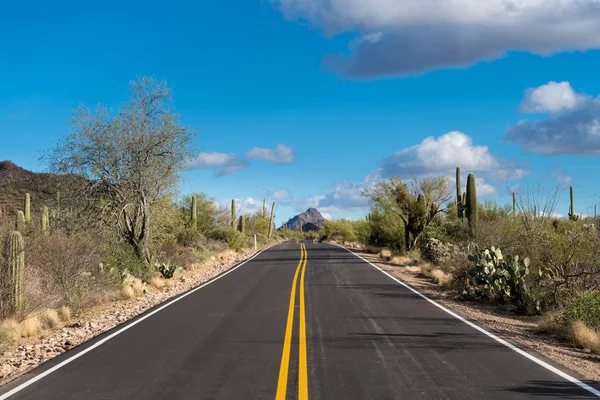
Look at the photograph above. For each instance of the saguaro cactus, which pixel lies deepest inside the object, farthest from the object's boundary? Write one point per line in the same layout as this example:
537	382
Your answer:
45	220
459	203
12	272
233	216
572	215
27	208
194	212
264	208
20	222
514	197
243	224
471	205
271	221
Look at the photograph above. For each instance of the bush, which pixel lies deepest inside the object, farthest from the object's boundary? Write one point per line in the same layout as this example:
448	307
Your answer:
231	236
585	309
190	238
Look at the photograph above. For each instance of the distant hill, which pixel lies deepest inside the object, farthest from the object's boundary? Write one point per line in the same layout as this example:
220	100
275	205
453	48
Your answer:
16	181
310	220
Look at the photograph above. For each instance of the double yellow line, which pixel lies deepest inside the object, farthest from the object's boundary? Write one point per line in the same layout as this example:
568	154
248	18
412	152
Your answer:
287	344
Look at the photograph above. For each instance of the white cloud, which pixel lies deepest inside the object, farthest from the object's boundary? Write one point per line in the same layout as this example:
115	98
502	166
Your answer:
573	131
564	180
441	155
281	154
244	205
552	97
222	164
345	196
327	216
281	194
397	37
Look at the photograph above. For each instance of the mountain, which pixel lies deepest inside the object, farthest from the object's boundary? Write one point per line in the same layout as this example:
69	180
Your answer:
310	220
16	181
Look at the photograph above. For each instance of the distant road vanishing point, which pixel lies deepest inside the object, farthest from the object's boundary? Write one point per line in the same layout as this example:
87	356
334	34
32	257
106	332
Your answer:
298	321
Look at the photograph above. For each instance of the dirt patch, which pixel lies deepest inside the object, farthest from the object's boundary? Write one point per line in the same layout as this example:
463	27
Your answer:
27	354
522	331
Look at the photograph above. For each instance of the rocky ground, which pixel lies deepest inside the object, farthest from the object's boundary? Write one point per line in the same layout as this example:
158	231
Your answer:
31	352
521	331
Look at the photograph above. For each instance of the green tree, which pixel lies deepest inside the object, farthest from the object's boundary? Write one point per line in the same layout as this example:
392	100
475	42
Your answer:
130	160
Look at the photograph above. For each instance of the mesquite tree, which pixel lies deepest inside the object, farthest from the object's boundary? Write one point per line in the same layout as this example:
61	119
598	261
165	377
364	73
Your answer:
130	159
416	203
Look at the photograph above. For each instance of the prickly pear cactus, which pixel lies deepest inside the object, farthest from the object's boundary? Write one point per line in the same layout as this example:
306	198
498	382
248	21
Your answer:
12	272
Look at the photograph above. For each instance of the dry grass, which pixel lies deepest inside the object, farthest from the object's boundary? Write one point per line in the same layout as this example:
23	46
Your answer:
127	292
65	313
169	283
157	282
373	249
31	326
385	254
439	277
138	287
402	260
10	330
49	319
549	323
585	337
414	268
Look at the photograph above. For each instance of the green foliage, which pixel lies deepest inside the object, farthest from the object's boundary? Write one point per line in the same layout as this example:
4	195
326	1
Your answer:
207	212
189	237
459	203
471	205
11	295
242	224
586	309
234	239
498	278
338	229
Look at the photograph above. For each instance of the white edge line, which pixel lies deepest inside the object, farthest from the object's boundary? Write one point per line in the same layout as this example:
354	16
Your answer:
489	334
106	339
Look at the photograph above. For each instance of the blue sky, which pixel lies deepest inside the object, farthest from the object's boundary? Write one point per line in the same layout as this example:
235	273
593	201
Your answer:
350	92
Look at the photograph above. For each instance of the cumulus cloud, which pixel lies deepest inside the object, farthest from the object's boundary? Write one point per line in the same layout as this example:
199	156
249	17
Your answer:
407	36
281	194
441	155
281	154
574	130
222	164
551	97
564	180
345	196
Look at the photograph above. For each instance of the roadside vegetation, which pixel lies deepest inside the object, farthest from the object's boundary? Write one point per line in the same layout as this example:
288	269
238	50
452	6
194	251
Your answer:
111	225
520	256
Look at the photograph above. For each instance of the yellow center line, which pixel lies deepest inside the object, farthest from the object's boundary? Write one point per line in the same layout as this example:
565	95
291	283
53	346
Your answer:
302	367
287	343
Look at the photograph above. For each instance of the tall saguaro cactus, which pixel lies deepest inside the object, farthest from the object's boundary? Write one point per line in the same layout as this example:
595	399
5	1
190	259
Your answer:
514	197
264	208
12	272
271	221
27	208
45	220
459	203
572	215
20	222
194	212
233	214
471	205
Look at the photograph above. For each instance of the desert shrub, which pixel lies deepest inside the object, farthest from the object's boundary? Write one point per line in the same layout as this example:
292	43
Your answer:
190	238
231	236
585	309
70	266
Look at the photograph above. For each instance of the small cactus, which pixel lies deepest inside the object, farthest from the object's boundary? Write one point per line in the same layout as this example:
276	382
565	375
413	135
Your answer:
271	221
459	200
233	216
12	272
27	208
45	220
471	204
20	222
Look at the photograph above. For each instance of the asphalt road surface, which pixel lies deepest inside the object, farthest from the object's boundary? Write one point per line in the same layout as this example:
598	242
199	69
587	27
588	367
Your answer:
298	321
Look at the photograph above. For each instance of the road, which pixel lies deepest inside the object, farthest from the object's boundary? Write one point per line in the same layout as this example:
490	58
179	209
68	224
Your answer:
297	321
